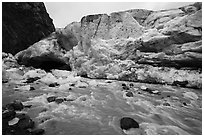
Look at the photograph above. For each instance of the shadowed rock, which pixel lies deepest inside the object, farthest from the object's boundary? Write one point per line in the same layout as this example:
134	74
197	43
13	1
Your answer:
127	123
24	23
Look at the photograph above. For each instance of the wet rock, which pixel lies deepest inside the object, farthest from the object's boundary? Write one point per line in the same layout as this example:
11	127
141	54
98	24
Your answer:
81	84
143	88
48	79
150	91
131	85
38	132
31	80
16	105
51	99
156	92
25	122
72	84
27	106
184	103
126	88
166	104
108	81
68	99
32	88
53	84
129	94
34	74
4	80
13	121
61	73
127	123
8	115
59	100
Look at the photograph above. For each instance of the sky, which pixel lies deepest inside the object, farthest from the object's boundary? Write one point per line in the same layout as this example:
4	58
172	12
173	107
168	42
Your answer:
64	13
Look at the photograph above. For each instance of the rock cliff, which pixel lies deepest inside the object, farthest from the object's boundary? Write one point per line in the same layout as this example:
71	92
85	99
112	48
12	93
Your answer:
23	24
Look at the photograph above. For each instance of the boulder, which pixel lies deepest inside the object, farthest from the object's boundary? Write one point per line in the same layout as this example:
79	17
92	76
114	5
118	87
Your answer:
45	54
36	73
129	94
48	79
53	84
8	114
8	61
127	123
25	122
51	99
15	105
23	24
61	73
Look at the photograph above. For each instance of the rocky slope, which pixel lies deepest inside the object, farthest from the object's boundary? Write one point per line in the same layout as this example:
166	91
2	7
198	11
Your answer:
139	45
23	24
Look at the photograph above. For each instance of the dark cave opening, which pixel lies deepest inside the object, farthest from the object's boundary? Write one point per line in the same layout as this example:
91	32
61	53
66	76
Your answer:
47	64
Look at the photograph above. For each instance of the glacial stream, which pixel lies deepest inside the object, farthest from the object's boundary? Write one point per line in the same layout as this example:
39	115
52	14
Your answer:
98	108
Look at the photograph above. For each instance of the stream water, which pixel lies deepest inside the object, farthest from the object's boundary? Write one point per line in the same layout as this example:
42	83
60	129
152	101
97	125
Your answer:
98	108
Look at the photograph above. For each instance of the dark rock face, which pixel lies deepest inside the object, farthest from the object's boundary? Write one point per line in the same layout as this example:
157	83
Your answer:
24	23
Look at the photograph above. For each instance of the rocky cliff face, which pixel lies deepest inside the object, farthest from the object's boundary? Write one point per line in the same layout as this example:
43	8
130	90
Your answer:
23	24
136	45
114	26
